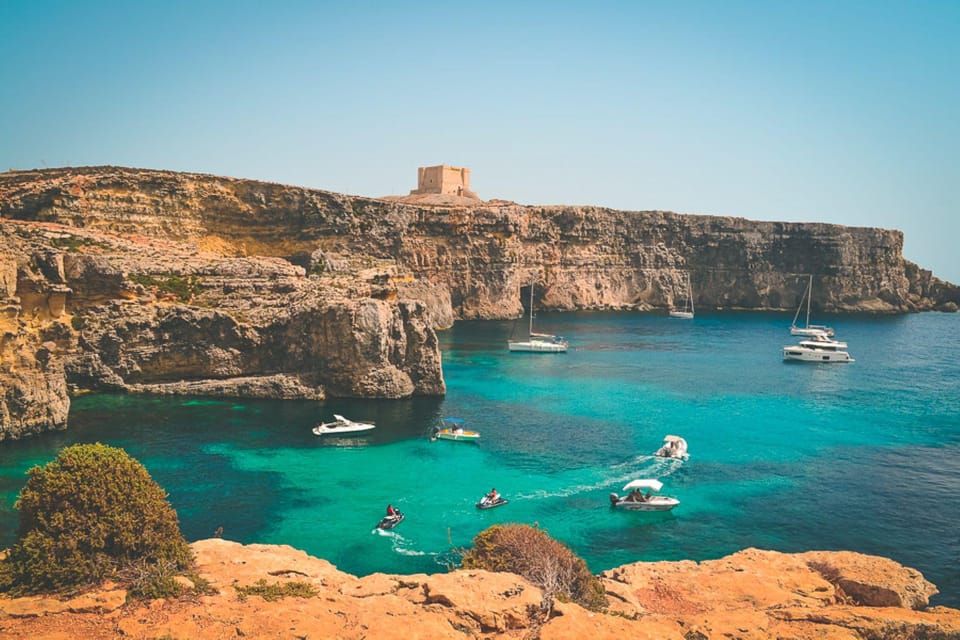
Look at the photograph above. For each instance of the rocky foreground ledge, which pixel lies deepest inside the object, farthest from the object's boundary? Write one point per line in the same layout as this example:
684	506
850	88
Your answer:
750	594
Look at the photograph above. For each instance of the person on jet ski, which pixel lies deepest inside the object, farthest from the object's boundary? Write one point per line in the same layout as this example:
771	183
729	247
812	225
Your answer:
493	496
391	512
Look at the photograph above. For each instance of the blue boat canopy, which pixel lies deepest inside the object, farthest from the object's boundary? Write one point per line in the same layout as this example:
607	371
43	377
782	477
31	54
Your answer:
454	420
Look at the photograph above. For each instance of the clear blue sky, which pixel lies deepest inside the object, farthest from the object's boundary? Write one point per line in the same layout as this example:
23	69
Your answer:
844	112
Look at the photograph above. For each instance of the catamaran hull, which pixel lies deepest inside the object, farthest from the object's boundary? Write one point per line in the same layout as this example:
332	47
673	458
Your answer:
794	354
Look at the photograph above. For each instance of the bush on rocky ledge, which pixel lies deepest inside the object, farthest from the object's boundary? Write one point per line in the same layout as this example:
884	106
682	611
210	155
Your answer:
92	513
545	562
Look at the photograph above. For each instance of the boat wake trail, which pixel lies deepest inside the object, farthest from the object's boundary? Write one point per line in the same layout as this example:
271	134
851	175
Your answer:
400	544
645	466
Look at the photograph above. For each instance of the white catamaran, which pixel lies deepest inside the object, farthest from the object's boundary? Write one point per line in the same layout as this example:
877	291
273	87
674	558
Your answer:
538	342
808	329
687	311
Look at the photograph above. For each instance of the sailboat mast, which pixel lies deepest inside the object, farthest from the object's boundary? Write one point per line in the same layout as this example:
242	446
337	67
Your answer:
809	295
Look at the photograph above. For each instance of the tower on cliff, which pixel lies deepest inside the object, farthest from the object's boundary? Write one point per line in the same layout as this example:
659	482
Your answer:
444	179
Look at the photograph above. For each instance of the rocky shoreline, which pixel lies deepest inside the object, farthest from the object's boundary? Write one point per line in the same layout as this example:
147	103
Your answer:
140	281
751	594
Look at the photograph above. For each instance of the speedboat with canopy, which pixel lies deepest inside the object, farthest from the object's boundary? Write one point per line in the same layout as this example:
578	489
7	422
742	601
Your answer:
637	500
452	429
341	425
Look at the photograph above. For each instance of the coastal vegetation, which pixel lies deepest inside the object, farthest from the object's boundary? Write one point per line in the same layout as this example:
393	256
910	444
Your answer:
183	287
273	592
545	562
94	513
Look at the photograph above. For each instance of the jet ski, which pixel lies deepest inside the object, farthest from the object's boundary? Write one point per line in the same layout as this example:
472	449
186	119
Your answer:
389	522
487	503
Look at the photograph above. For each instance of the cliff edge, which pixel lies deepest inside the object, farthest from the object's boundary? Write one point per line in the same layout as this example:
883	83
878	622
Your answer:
147	281
751	594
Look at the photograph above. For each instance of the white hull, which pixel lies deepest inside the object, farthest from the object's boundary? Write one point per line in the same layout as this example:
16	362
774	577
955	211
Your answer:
356	427
672	455
466	436
686	315
656	503
341	425
801	354
812	331
537	346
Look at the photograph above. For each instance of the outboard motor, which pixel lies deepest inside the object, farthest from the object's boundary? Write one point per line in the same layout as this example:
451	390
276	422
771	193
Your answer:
614	498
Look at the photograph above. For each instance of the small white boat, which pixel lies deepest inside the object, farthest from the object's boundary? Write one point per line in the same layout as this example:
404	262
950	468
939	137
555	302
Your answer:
637	500
687	312
538	342
341	425
812	330
452	429
819	348
673	447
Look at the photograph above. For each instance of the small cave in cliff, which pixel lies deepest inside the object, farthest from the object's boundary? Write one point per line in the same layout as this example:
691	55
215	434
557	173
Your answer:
537	297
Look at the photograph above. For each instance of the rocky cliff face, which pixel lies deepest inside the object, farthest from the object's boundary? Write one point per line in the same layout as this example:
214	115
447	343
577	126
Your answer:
84	310
180	283
752	594
480	257
33	341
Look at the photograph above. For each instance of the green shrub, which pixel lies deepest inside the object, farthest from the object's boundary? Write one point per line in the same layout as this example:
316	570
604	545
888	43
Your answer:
275	591
183	287
92	513
531	553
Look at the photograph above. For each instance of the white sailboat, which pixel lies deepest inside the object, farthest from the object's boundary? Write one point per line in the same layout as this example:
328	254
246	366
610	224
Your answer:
538	342
808	329
687	312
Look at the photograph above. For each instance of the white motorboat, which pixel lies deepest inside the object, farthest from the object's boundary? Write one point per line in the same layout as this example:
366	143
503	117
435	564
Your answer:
673	447
687	312
538	342
637	500
808	329
341	425
819	348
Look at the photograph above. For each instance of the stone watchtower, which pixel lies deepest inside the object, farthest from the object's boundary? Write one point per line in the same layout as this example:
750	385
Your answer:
444	179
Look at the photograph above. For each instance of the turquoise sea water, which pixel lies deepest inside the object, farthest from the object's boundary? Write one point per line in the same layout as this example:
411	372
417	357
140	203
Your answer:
789	457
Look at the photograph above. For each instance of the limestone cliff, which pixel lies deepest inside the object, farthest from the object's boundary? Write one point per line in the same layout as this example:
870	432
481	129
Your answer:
33	390
163	282
480	257
84	310
750	595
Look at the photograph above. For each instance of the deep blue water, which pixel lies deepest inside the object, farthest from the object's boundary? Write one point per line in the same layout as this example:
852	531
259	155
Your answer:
791	457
